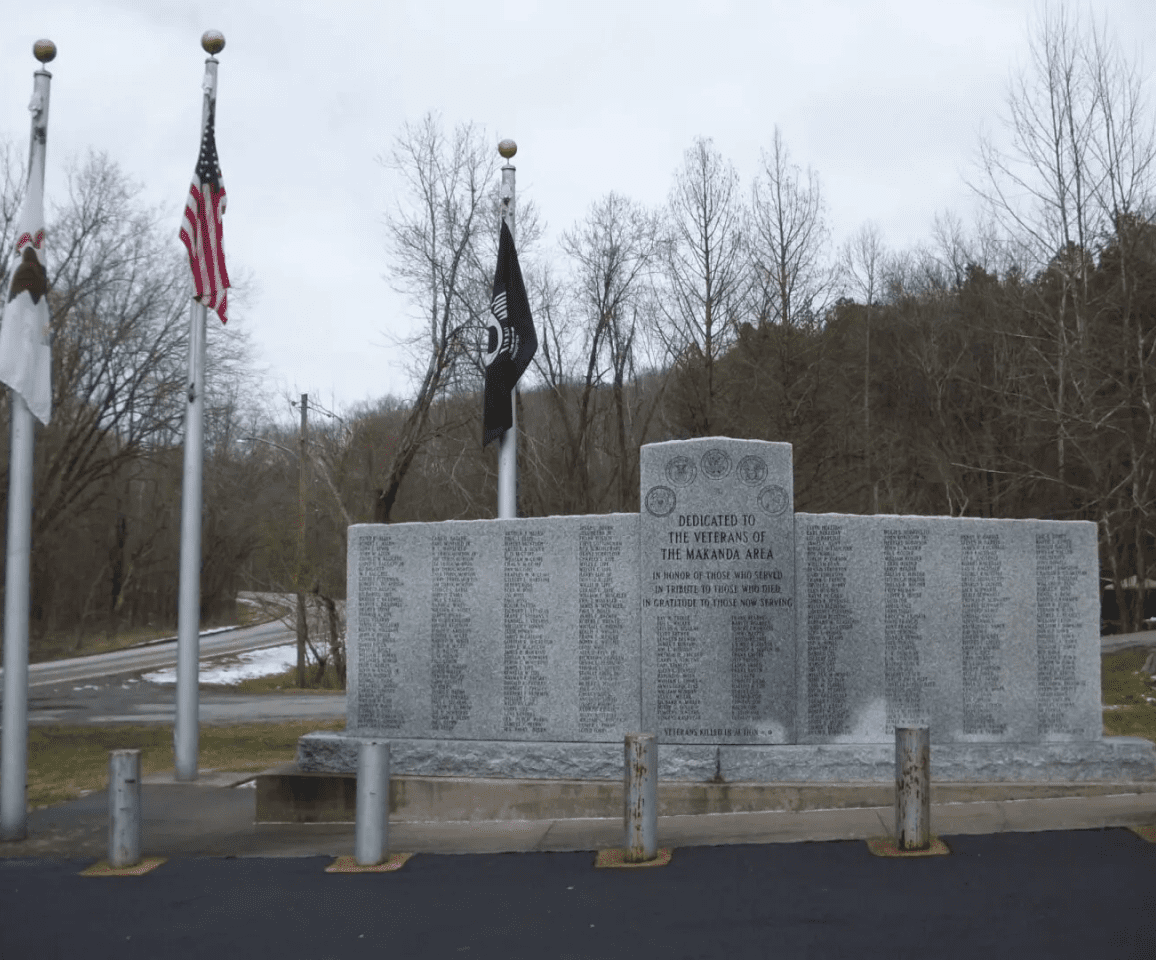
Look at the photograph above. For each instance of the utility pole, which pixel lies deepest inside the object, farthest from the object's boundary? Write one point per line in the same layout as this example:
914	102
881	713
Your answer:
302	505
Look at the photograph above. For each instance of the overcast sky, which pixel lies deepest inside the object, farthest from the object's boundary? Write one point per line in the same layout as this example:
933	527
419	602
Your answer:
884	99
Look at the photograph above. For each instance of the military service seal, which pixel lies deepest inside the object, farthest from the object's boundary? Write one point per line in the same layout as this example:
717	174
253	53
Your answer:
716	464
773	500
681	471
752	470
660	501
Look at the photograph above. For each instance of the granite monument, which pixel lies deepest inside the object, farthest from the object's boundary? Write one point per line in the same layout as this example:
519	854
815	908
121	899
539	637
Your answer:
757	643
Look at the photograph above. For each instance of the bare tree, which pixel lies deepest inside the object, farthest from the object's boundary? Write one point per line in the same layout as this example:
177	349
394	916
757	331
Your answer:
612	252
12	181
119	301
704	271
433	233
863	264
1082	157
1077	183
790	280
442	235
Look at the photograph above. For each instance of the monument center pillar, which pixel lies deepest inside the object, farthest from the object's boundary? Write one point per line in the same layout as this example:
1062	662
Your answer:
717	587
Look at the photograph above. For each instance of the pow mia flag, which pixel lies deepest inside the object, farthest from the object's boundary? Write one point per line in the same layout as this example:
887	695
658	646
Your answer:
512	342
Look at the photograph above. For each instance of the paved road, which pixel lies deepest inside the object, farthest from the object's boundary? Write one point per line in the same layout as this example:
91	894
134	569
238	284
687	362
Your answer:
107	688
155	656
132	700
1125	641
1055	895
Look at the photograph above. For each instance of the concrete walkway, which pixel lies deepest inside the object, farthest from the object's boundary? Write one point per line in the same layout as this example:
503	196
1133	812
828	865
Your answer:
215	817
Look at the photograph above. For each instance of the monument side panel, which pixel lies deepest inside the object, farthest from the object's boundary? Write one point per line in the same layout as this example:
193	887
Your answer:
995	682
717	588
985	630
606	670
352	627
840	620
1067	615
458	675
570	621
495	629
387	603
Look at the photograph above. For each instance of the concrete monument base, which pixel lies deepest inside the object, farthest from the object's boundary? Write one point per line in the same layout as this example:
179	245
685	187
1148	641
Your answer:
1111	758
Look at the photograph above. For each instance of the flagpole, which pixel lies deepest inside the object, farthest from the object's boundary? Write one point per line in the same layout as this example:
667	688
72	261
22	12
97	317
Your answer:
14	741
186	733
508	449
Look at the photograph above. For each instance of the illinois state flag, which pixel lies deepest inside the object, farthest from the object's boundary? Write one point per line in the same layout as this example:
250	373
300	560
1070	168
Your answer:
512	342
201	232
25	333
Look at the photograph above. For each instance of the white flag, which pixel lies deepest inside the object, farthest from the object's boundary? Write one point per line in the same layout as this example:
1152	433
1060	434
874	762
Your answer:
25	353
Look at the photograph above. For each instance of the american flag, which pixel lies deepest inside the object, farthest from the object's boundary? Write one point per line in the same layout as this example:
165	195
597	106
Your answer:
201	231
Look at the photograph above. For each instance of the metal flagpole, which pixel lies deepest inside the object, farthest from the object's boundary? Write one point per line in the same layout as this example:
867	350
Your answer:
14	743
508	451
185	730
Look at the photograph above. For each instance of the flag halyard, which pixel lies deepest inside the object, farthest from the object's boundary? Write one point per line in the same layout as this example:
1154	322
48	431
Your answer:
201	232
512	340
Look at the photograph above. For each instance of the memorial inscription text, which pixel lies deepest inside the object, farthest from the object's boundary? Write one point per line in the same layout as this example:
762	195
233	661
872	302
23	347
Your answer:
828	622
379	583
453	573
1056	638
981	582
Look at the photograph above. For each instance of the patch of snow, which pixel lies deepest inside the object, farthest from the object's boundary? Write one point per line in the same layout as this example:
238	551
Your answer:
230	670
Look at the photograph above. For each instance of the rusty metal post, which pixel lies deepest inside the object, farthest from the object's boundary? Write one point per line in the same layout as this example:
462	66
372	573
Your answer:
640	796
372	840
913	788
123	808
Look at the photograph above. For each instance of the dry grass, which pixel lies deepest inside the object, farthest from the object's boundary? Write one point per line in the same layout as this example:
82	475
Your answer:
65	762
1132	692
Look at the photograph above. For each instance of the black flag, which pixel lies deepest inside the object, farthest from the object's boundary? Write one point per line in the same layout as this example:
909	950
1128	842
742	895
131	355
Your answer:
513	341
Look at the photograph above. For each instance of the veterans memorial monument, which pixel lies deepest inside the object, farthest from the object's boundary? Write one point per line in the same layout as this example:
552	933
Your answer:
757	643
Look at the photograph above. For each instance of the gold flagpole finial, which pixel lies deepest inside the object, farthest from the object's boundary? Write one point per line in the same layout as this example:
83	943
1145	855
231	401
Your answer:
213	42
44	51
507	148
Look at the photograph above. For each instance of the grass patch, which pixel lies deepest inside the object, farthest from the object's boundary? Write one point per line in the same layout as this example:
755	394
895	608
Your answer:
1132	692
64	762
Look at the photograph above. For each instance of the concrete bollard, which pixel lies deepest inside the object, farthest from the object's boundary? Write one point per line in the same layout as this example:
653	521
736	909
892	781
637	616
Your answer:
123	808
372	840
640	796
913	788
